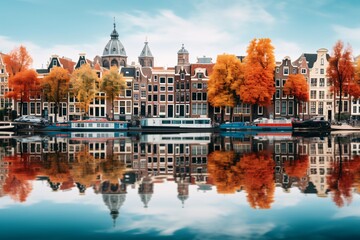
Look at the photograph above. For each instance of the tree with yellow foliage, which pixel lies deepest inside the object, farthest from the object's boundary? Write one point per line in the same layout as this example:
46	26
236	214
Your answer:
258	87
56	86
113	83
224	82
85	85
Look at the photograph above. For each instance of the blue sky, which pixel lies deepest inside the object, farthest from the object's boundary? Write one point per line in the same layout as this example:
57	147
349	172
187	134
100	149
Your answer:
206	27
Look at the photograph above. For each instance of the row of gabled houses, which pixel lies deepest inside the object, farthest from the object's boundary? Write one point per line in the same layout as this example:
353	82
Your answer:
181	91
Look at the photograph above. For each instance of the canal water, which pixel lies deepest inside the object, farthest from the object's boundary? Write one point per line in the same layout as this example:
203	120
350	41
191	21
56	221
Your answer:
180	186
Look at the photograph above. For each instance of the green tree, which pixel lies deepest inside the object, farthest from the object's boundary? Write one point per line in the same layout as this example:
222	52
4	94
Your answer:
113	83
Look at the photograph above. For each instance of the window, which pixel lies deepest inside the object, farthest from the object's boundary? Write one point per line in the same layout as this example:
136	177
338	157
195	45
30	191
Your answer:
149	88
162	98
283	107
321	108
260	110
170	89
291	108
182	76
283	82
354	109
321	94
155	78
277	70
55	62
312	107
294	70
149	98
313	94
277	107
162	88
277	94
277	82
322	61
143	94
303	70
162	80
170	98
286	71
155	98
128	93
155	88
321	71
170	80
322	82
314	82
136	86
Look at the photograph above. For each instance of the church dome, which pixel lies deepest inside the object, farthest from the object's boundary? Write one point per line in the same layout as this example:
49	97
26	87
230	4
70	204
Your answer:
114	47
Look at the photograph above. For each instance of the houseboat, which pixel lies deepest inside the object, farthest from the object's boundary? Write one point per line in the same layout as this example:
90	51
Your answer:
176	123
261	125
188	138
6	126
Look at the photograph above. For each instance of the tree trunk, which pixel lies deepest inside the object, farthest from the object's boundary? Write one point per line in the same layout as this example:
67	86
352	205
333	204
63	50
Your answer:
231	114
340	105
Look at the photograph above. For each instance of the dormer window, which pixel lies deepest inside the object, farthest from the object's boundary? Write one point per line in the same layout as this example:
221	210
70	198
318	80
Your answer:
200	75
182	76
82	62
55	62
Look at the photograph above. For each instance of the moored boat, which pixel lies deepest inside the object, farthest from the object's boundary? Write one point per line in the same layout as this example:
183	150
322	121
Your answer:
6	126
176	123
314	124
263	125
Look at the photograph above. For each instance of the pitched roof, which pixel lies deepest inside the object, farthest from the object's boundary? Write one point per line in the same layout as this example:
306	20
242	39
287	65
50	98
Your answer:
310	58
67	64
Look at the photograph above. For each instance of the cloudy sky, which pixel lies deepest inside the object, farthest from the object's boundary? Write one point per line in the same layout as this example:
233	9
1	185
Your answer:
205	27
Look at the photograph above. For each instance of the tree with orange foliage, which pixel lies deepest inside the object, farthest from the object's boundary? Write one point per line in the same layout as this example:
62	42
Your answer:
85	86
354	86
21	172
297	86
222	170
342	177
23	85
17	60
258	175
298	167
224	82
258	87
340	71
56	86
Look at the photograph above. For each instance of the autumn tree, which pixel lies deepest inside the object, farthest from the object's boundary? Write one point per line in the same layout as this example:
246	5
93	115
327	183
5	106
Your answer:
297	167
17	60
23	85
222	170
340	71
297	86
85	85
258	175
113	83
354	86
258	87
56	86
224	82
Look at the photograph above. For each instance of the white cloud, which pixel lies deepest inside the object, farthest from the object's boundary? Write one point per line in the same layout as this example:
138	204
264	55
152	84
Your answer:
347	33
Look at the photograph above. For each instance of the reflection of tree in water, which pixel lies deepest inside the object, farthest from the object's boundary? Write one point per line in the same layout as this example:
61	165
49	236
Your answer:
21	172
258	175
297	167
343	175
254	172
57	168
222	170
85	169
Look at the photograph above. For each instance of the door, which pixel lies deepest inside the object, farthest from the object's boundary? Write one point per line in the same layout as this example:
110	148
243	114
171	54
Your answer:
170	111
182	111
329	115
143	109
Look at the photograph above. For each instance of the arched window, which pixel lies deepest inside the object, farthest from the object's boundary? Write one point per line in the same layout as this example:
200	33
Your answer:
114	62
122	63
106	64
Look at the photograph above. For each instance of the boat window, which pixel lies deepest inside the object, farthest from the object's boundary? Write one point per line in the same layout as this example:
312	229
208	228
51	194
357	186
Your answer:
176	121
188	121
165	121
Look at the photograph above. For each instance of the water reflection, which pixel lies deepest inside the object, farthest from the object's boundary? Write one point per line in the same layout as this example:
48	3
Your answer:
108	164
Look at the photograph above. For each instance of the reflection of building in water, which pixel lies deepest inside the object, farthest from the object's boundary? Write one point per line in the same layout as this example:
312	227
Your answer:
4	165
285	151
146	190
114	196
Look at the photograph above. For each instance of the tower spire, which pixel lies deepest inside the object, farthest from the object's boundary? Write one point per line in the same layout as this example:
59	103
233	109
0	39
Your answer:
114	23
